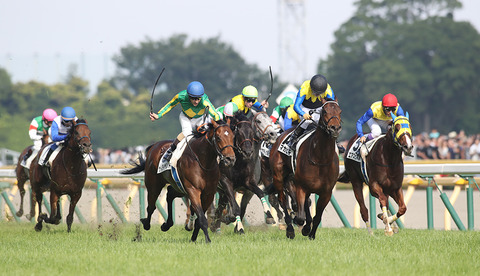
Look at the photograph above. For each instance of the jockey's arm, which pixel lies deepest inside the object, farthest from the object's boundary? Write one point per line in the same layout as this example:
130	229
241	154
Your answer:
287	123
297	106
367	116
258	106
33	131
166	108
56	137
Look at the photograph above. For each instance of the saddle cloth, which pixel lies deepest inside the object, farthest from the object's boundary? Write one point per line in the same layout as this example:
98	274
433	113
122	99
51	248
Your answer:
359	153
176	154
44	152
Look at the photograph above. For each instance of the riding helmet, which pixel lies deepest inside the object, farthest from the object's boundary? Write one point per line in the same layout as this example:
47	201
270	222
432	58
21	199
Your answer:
49	114
195	89
318	83
389	100
68	113
250	92
286	101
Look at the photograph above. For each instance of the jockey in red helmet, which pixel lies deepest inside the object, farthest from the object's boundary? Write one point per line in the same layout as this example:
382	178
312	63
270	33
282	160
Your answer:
378	116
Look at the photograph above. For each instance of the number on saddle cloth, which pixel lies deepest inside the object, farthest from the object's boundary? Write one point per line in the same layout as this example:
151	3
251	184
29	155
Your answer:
354	152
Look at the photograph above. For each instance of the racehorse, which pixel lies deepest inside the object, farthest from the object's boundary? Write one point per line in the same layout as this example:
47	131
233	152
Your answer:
197	169
316	169
23	174
68	174
264	131
240	175
384	167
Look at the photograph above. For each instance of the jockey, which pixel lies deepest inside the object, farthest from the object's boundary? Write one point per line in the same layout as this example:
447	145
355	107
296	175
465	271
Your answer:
279	111
248	100
309	98
59	130
39	127
193	101
290	118
227	111
378	116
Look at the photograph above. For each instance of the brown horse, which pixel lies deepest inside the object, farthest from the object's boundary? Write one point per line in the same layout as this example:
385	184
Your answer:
316	169
23	174
197	169
68	174
384	167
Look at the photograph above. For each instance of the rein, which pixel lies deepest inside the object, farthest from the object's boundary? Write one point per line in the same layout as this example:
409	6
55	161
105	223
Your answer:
213	143
257	127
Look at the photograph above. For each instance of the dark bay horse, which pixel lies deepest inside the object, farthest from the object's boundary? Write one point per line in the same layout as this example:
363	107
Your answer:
198	170
316	170
385	171
237	176
23	175
68	174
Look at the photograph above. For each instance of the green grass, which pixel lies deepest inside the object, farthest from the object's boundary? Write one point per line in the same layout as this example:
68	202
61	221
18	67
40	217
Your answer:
115	250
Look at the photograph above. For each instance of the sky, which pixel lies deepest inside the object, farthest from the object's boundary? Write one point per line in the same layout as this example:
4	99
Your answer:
40	40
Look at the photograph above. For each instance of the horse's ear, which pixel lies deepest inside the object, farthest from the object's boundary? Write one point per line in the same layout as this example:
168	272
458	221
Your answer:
228	121
324	100
393	116
407	115
215	124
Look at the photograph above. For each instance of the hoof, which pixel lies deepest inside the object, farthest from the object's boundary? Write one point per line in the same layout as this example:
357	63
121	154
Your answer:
282	226
29	217
395	229
165	227
270	220
241	232
38	227
19	213
146	224
306	230
388	233
188	228
290	235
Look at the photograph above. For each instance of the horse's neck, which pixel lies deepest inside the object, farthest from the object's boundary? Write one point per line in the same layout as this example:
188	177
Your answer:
323	145
391	152
203	149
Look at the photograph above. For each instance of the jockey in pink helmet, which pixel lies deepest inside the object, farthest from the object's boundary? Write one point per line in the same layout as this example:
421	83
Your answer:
39	127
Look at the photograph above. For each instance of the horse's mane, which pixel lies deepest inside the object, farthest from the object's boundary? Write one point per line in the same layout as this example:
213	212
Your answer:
203	131
240	116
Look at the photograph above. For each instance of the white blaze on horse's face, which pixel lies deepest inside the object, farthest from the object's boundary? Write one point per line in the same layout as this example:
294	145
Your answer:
226	133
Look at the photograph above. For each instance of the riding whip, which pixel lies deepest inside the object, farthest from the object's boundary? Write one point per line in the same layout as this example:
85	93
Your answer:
271	83
153	90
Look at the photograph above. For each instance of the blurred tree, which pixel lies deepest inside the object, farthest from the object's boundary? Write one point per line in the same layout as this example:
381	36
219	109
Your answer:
415	50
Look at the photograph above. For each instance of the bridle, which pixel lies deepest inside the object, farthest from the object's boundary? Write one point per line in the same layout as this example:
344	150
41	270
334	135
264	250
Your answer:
81	138
257	127
238	146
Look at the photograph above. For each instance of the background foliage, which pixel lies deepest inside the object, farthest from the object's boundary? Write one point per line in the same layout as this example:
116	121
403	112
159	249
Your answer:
414	49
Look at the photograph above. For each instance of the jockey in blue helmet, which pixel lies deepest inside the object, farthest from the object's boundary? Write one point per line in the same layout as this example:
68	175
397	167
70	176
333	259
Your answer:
193	101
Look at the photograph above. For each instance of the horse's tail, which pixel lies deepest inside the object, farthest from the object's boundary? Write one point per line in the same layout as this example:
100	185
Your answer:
344	178
139	167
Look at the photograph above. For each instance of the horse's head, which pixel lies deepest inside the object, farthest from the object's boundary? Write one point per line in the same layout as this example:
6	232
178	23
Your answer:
402	133
79	136
264	127
221	137
330	119
244	135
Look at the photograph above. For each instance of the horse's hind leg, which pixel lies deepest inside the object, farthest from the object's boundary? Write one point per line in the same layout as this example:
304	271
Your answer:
153	193
21	179
55	214
198	205
171	195
358	192
39	197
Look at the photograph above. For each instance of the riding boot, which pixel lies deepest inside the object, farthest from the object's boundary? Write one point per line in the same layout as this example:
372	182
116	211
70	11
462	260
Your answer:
45	162
341	149
168	153
293	138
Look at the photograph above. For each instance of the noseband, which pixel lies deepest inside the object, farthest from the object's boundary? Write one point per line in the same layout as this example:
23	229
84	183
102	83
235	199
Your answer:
324	125
214	143
257	127
239	146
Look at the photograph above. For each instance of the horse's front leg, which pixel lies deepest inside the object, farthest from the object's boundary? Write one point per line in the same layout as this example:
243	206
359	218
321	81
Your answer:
54	203
153	191
41	217
402	208
21	187
301	197
201	221
377	191
308	222
71	210
322	202
266	209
